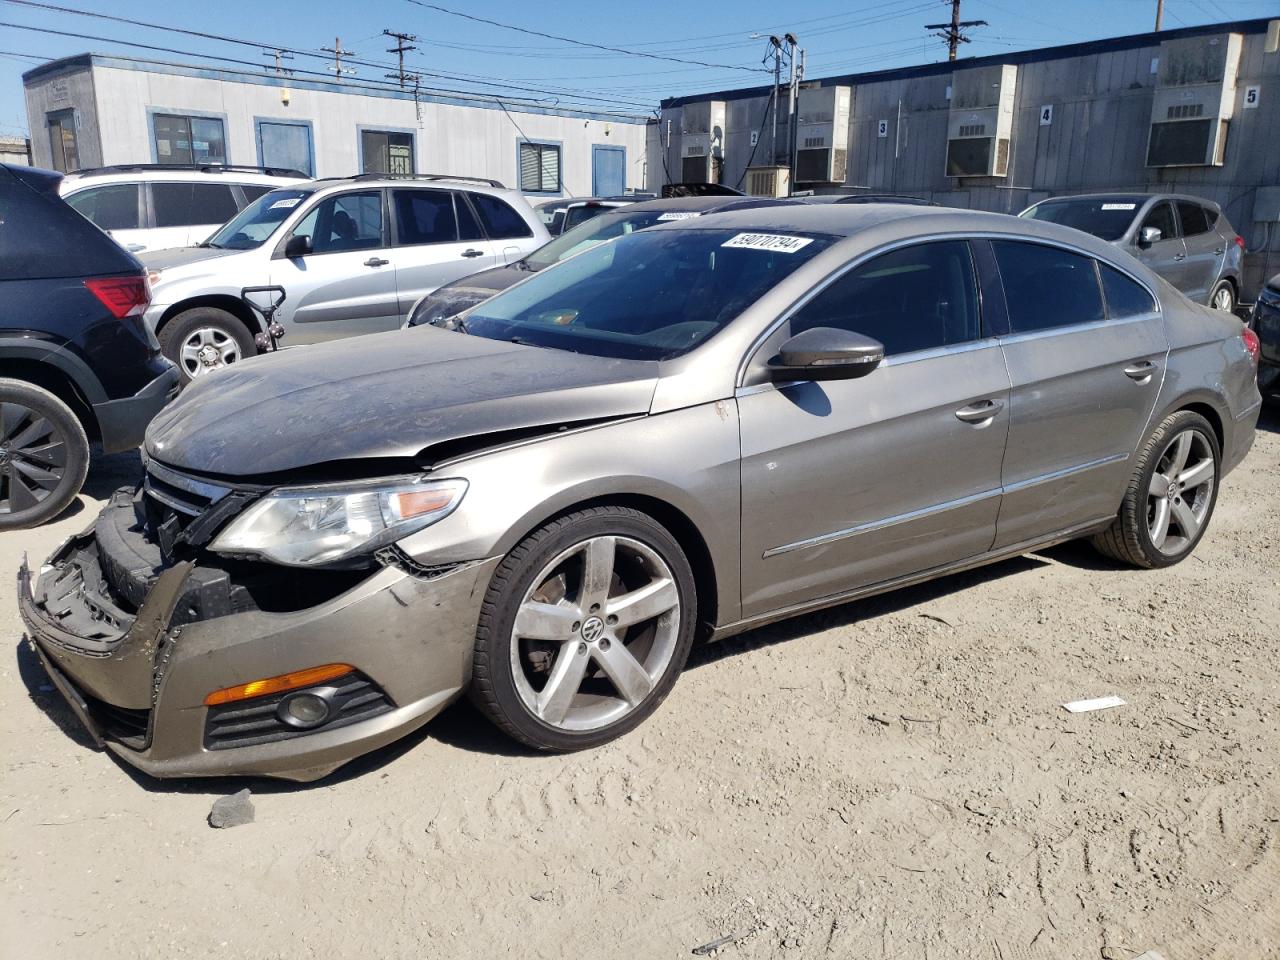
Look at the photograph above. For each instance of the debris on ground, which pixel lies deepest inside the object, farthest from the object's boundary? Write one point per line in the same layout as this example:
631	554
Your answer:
709	948
1098	703
231	811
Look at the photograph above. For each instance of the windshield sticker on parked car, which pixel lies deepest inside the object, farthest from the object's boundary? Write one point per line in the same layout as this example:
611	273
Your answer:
1119	206
771	242
286	203
680	215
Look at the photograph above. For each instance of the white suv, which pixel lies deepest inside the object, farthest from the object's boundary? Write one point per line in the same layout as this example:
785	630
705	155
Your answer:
352	255
157	206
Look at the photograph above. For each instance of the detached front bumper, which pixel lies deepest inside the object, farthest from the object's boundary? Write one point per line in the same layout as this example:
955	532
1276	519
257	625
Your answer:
138	680
123	423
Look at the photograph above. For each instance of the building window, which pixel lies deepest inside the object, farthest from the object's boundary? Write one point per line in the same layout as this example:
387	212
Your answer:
286	146
386	151
62	141
539	168
189	140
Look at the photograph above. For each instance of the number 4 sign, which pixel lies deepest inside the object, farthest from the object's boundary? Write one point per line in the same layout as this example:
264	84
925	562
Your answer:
1046	115
1251	95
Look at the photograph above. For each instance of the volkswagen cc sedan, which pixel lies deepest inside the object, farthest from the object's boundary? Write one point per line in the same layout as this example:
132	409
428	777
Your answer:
684	433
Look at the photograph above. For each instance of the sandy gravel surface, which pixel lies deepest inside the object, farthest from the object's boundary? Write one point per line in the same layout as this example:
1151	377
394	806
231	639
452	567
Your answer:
894	778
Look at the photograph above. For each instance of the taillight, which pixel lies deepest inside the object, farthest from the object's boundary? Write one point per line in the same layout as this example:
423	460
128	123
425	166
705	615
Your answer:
1251	343
123	296
1240	241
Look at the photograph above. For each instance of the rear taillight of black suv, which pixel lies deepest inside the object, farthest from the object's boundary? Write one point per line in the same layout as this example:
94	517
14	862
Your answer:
123	296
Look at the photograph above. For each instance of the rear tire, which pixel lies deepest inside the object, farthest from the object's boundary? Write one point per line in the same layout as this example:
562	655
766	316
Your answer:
584	630
44	455
1171	495
1223	297
204	339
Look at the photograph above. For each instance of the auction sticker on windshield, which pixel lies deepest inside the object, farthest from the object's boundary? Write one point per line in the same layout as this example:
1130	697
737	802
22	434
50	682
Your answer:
1119	206
286	203
680	215
772	242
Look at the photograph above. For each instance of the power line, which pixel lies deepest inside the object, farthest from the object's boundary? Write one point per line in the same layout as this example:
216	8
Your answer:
582	43
402	47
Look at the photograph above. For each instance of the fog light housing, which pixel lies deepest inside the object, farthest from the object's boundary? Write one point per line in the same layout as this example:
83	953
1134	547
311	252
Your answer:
304	710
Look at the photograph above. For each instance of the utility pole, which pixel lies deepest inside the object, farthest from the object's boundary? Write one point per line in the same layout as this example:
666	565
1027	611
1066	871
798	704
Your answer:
1159	14
797	75
280	56
951	32
776	52
401	48
338	53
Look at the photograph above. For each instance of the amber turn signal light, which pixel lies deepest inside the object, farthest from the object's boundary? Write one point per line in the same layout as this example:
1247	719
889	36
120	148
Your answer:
286	681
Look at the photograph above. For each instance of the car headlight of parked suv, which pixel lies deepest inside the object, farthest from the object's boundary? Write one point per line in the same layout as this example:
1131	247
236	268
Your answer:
307	526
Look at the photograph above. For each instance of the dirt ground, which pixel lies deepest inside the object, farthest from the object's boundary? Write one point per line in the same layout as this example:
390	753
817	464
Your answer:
893	778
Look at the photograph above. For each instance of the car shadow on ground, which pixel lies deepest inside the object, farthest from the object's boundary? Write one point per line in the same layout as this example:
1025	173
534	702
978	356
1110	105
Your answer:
1269	419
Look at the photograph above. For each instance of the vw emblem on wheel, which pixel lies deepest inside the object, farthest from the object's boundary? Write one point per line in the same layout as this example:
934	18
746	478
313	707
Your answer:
592	629
1173	491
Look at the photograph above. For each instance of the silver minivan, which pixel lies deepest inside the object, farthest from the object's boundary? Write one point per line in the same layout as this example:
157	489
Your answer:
1186	240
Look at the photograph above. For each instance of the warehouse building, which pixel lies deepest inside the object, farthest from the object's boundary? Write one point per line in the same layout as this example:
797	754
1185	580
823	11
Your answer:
1193	110
92	110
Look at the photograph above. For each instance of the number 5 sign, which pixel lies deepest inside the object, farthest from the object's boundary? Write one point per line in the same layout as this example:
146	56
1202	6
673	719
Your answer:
1251	95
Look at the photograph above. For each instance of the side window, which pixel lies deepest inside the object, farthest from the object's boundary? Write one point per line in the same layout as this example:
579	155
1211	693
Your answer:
500	221
351	221
424	216
1161	217
110	207
1193	219
190	204
915	298
252	191
468	225
1046	287
1124	297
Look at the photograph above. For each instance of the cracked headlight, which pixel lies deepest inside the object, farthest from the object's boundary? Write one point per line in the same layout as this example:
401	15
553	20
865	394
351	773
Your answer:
305	526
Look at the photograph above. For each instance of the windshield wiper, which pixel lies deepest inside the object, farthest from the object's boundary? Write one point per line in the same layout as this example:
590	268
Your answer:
209	244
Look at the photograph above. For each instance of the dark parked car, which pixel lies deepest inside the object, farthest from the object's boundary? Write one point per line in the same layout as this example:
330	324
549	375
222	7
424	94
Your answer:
687	432
565	213
452	298
1265	323
76	361
1186	240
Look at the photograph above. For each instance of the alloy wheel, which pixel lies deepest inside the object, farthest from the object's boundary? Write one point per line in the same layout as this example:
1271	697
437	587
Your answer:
33	458
595	633
1181	492
208	348
1224	300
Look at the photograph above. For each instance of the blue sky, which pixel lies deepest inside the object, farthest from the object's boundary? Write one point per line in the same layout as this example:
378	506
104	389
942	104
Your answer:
840	36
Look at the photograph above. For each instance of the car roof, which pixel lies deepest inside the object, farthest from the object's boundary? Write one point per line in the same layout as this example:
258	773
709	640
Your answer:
133	173
1130	198
421	180
699	204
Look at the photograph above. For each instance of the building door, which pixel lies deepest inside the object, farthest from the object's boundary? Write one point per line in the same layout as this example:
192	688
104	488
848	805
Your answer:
608	171
62	141
287	145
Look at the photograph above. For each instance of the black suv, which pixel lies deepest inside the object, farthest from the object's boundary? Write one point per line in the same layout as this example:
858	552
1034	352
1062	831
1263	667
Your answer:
77	363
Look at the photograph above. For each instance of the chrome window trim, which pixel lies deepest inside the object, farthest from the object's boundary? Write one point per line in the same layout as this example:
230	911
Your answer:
790	311
825	538
1011	338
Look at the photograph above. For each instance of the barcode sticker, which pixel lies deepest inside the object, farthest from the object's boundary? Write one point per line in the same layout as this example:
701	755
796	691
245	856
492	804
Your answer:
287	203
680	215
771	242
1119	206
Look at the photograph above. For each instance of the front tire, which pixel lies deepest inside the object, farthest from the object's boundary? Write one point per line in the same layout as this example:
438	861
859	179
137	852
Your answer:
204	339
584	630
44	455
1171	495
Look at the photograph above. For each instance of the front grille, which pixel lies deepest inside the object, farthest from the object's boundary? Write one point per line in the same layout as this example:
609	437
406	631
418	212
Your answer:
180	493
122	724
352	698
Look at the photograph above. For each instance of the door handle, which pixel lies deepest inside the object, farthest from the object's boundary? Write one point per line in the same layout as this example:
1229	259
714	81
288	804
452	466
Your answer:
376	262
980	412
1179	257
1142	370
472	253
1220	251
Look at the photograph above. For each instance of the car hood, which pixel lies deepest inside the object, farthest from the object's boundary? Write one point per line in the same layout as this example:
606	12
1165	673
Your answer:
390	395
181	256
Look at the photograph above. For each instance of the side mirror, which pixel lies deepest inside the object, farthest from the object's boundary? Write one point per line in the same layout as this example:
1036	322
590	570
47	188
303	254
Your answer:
1149	235
299	245
825	353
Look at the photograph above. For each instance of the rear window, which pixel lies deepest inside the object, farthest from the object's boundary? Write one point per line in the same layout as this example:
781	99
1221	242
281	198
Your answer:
579	215
500	221
252	191
113	206
42	237
1047	287
192	204
1105	217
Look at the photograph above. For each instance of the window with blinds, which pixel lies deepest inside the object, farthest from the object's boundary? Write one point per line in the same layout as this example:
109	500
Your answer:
539	168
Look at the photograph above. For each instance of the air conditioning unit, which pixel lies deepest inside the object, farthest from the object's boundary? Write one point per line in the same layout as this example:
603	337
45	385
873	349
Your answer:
822	134
702	141
769	181
1194	98
980	122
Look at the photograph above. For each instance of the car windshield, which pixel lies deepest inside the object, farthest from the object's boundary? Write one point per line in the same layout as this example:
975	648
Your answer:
585	236
1105	217
255	223
650	295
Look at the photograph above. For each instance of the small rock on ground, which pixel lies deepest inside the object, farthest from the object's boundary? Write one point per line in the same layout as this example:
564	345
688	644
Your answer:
231	811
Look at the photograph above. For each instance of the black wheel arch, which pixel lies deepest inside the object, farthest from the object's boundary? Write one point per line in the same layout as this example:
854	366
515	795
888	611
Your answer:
63	374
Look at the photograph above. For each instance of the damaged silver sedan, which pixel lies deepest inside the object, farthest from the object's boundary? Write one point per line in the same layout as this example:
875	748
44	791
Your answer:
684	433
